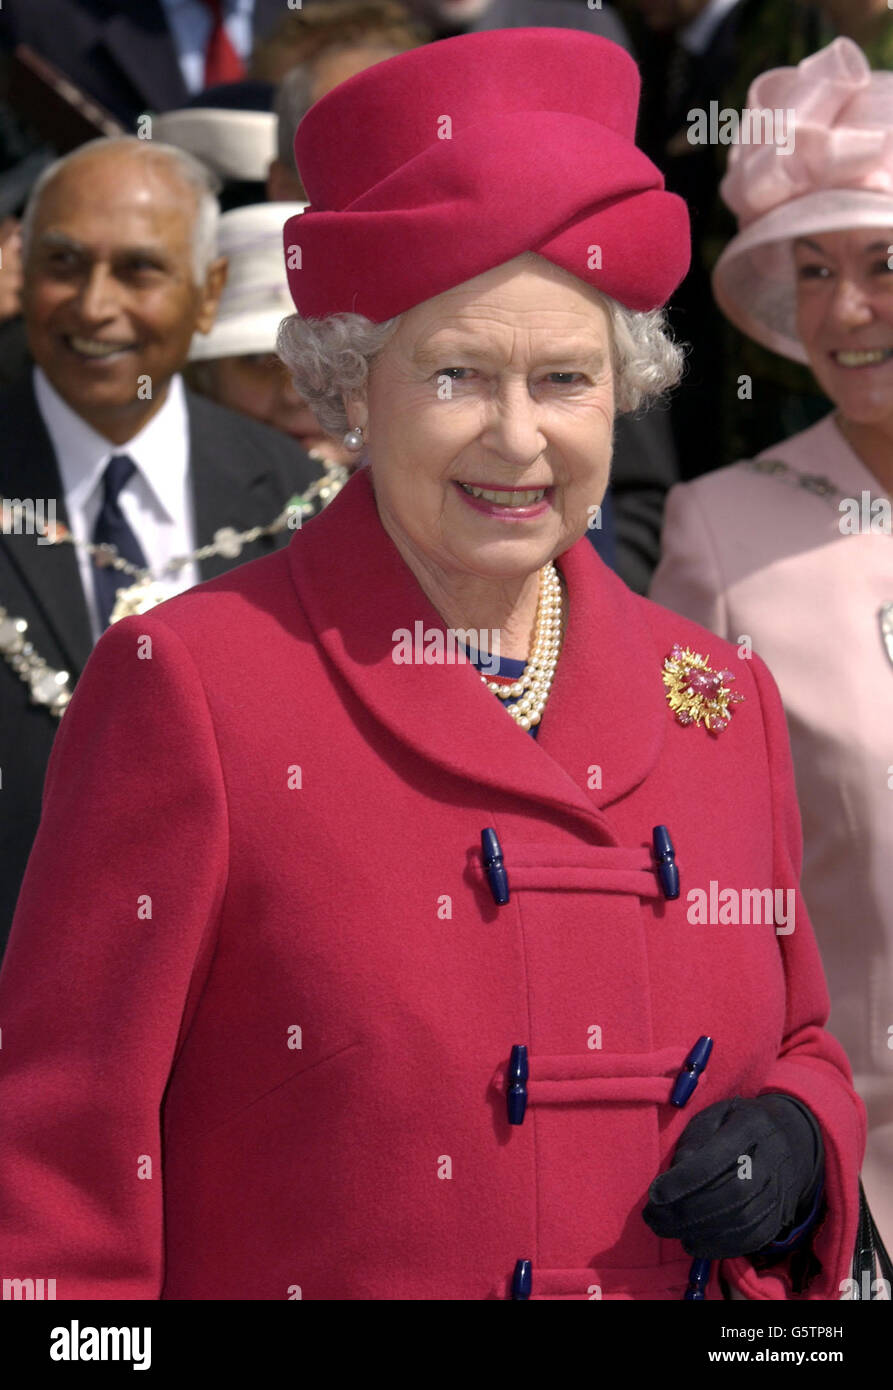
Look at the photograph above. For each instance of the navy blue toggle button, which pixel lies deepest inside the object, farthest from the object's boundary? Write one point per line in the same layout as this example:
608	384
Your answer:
690	1075
665	855
522	1279
516	1095
491	851
698	1279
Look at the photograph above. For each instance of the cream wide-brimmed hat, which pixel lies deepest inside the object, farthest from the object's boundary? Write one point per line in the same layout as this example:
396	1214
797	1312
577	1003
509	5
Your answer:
838	175
237	145
256	297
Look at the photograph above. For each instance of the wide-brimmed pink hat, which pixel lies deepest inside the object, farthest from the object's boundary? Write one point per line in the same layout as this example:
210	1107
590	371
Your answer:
432	167
838	175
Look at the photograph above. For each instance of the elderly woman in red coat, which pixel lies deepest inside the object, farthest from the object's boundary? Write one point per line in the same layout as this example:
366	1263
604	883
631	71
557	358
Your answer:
415	911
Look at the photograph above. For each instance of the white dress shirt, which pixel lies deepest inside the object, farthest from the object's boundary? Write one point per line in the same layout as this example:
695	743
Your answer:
190	23
156	500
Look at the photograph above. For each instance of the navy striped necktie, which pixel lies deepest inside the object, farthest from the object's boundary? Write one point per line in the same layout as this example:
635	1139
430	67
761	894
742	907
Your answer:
112	528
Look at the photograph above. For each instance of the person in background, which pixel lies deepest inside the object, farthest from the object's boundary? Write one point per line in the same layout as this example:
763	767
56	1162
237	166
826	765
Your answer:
767	553
313	51
323	36
230	129
448	18
121	269
14	355
139	56
10	268
868	22
693	53
235	364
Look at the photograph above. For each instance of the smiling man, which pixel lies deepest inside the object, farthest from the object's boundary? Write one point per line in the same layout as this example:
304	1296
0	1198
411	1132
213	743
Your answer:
120	270
118	277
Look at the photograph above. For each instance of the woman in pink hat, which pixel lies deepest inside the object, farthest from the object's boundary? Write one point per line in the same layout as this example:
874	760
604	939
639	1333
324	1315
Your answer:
792	551
415	913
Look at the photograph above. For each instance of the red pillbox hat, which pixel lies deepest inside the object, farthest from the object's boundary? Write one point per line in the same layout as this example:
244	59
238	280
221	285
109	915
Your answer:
441	163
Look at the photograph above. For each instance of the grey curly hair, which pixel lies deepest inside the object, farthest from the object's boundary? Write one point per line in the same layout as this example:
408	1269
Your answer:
331	357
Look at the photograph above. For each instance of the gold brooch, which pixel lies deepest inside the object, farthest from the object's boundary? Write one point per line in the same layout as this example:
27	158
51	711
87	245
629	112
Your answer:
696	692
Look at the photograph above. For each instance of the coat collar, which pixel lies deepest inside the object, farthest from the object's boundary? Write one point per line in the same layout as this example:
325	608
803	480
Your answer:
606	708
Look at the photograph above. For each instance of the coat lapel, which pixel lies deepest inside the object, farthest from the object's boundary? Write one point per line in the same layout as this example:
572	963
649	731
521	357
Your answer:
50	572
607	705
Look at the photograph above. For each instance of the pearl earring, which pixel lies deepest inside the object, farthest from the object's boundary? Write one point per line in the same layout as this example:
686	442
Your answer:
354	438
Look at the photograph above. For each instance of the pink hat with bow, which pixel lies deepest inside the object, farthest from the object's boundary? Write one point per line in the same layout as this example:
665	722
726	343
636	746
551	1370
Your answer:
837	175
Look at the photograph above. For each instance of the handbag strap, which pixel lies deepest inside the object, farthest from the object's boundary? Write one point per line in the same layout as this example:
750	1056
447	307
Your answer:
883	1255
868	1245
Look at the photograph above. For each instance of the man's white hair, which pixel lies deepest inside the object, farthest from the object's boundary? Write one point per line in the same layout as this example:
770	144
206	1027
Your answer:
190	171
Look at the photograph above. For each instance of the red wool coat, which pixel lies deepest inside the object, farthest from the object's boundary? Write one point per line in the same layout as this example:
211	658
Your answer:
257	823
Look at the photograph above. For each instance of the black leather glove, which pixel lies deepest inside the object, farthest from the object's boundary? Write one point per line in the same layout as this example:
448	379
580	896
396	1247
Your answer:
702	1201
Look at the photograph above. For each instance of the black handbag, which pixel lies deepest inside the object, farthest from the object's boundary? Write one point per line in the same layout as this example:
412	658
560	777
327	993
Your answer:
869	1245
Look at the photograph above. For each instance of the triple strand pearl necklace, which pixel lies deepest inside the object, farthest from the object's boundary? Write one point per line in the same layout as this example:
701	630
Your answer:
535	682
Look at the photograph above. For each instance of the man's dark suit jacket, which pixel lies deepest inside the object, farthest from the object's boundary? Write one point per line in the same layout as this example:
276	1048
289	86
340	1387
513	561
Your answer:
121	52
242	472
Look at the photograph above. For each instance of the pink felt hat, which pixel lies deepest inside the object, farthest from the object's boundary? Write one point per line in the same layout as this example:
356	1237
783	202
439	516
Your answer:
444	162
838	175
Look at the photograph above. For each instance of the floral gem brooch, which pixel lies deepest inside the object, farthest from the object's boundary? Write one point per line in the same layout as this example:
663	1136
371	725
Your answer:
696	693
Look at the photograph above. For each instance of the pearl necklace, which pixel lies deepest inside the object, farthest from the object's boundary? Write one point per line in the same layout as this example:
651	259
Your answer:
532	687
